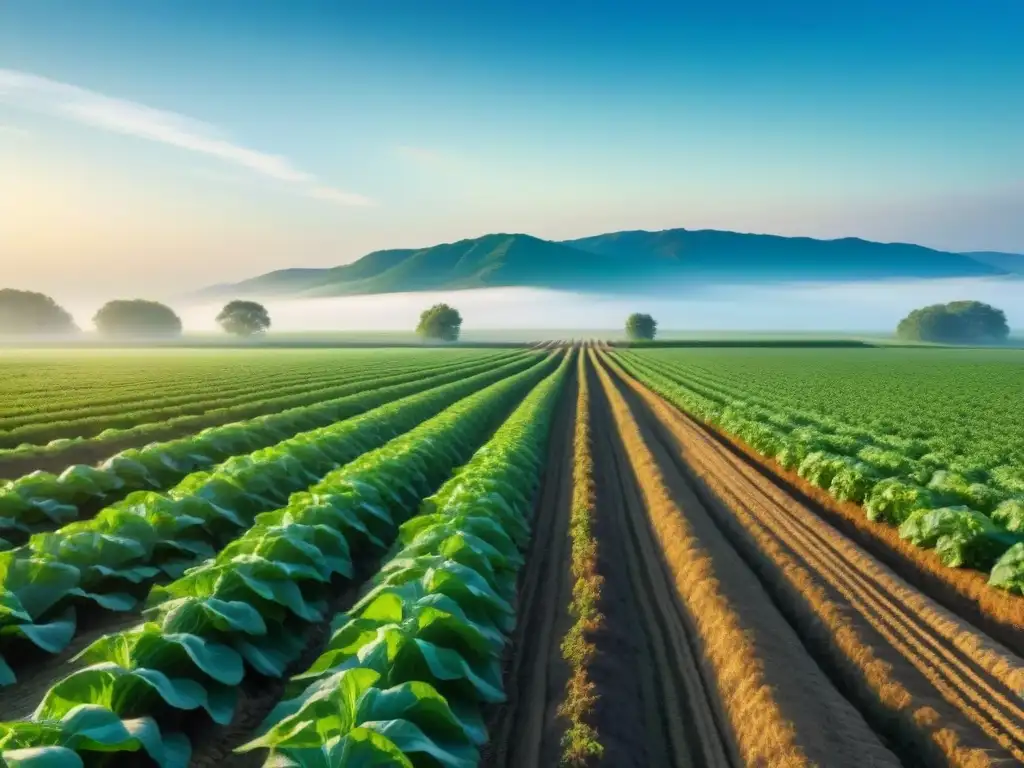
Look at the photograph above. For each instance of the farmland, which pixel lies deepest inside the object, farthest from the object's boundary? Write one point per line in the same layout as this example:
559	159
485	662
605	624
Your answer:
565	555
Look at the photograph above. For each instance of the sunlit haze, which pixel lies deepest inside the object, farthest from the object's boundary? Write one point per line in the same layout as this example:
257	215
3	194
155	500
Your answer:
153	149
869	307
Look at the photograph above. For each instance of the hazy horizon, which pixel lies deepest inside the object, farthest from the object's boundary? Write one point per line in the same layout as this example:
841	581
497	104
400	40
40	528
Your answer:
165	147
800	307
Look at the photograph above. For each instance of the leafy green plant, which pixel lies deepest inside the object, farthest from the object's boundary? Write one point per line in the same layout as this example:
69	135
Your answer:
149	533
903	475
41	500
241	609
432	626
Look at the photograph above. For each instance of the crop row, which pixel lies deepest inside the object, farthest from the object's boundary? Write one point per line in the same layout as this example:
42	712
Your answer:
732	624
408	670
110	558
152	397
40	500
581	743
773	566
967	523
963	444
36	381
964	402
131	422
240	610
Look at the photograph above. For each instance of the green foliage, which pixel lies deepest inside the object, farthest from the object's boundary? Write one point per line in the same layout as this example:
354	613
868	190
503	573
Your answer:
641	327
1008	572
25	312
244	318
959	322
419	656
40	501
960	536
240	609
87	728
148	534
440	322
137	317
938	472
1010	515
96	425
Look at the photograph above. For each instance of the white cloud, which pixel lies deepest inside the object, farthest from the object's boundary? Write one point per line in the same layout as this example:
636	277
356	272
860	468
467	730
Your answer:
40	94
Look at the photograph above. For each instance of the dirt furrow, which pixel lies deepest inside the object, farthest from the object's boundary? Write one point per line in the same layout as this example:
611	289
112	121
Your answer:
526	731
917	634
676	730
956	683
767	701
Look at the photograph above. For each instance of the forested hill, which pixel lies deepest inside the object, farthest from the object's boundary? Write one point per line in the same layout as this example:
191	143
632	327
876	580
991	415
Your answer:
620	261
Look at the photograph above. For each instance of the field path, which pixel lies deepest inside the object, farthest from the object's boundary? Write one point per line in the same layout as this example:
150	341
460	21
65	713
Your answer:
923	677
743	689
655	708
525	731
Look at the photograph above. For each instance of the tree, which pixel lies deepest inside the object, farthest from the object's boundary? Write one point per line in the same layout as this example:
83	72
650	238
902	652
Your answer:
137	317
440	322
959	322
244	318
640	326
31	312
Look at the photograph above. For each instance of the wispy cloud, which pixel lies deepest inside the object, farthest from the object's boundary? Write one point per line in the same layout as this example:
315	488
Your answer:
40	94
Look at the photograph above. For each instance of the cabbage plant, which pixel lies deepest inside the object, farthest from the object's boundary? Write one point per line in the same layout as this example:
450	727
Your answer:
128	545
430	632
244	608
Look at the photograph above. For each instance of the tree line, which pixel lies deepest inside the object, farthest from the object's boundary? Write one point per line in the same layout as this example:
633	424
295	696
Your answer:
28	312
31	313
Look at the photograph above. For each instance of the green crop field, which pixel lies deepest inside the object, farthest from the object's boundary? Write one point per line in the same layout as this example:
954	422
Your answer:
931	440
412	557
63	394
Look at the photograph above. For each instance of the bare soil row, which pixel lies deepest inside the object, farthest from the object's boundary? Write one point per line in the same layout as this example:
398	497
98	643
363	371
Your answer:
935	687
743	624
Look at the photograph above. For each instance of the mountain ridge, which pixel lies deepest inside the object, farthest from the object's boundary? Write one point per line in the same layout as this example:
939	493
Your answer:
631	260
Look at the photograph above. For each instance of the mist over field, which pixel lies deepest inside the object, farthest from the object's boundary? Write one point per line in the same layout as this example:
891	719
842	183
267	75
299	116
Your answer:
861	306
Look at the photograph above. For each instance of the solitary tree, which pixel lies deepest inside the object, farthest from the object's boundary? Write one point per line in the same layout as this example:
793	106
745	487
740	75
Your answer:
137	317
440	322
641	327
24	312
959	322
244	318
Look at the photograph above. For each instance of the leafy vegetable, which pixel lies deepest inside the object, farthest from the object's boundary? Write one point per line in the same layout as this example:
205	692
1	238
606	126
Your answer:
426	639
148	533
244	607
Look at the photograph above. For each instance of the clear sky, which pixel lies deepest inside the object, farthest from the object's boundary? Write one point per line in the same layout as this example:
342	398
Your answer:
153	147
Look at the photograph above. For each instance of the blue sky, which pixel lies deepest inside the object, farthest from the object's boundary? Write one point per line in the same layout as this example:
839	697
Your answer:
154	147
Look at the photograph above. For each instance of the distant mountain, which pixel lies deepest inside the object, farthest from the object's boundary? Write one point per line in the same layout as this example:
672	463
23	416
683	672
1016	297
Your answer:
620	261
1008	262
488	261
716	256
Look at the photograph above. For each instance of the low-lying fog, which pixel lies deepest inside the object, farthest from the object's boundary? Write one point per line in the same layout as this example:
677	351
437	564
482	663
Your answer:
875	306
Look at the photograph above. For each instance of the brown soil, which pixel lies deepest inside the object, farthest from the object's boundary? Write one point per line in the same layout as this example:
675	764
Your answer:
645	671
526	731
749	693
964	591
939	688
